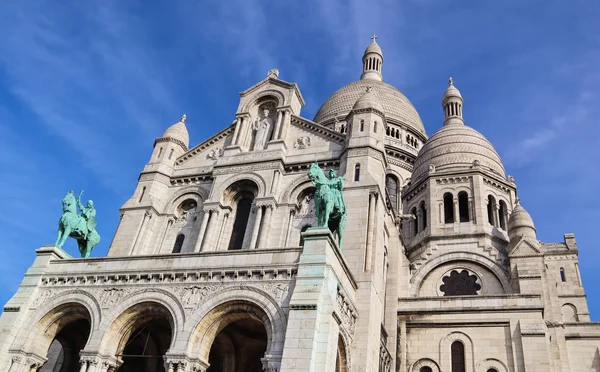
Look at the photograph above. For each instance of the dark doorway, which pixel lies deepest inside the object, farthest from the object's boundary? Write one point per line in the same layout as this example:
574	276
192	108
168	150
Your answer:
239	347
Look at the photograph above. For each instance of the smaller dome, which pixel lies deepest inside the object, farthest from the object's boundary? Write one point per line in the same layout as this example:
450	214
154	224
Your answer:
520	223
179	132
374	48
457	148
452	91
368	100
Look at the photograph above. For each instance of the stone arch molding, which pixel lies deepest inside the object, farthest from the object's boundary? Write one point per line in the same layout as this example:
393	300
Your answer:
425	362
205	320
260	182
417	280
180	195
252	100
445	354
32	329
113	326
486	364
291	192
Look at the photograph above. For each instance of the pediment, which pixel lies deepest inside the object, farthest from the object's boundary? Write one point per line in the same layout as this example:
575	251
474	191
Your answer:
304	134
525	248
208	151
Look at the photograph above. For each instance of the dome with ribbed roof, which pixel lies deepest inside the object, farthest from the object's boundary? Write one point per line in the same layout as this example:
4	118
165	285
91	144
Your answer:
179	132
368	100
457	147
374	48
520	223
395	105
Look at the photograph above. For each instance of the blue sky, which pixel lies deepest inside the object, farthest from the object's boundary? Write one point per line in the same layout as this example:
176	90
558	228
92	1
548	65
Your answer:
86	87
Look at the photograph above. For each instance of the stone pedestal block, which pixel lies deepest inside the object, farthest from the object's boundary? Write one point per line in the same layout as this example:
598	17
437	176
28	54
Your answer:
312	332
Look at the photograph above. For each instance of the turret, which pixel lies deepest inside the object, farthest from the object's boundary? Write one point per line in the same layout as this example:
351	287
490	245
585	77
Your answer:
452	103
372	61
173	143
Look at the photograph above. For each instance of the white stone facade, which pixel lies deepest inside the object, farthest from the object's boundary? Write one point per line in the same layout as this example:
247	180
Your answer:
213	267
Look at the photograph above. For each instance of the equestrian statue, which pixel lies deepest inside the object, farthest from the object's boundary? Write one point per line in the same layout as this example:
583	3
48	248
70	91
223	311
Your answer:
79	227
330	208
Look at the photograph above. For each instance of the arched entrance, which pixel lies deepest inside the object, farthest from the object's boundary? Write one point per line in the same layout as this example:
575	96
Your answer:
61	335
233	337
341	362
146	335
239	347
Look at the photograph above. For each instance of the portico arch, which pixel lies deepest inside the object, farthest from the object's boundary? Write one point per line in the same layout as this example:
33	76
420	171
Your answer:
237	311
60	335
141	336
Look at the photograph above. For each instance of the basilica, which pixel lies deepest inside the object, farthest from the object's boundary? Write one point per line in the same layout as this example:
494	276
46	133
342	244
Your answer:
220	265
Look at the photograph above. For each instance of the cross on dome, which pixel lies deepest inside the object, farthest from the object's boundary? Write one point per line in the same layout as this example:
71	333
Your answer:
183	118
450	81
374	38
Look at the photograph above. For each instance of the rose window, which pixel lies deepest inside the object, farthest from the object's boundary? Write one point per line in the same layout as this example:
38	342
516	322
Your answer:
460	284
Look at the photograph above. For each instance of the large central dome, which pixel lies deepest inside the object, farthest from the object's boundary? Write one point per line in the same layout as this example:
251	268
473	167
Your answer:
395	104
396	107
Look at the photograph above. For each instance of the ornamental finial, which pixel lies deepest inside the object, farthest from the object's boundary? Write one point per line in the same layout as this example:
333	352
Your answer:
183	118
450	82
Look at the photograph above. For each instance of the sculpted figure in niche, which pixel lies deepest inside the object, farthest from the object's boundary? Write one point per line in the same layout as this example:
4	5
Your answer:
263	128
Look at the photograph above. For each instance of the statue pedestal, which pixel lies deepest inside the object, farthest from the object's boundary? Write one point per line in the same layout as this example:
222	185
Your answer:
313	324
21	300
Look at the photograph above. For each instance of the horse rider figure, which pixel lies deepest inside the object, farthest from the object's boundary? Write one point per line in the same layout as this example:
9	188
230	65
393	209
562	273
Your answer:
89	214
336	185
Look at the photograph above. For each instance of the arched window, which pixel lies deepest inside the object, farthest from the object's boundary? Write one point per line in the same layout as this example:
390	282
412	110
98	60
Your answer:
357	173
178	243
375	127
343	130
457	352
301	238
425	369
448	208
171	154
362	125
491	209
415	222
244	205
492	370
387	131
423	215
391	184
563	277
502	214
463	206
159	152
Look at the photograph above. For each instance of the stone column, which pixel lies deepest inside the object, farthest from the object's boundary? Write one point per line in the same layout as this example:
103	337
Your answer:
221	232
181	367
455	210
471	210
246	134
214	213
286	123
236	132
264	231
140	232
496	215
198	245
289	227
370	224
276	134
441	214
256	227
84	365
419	220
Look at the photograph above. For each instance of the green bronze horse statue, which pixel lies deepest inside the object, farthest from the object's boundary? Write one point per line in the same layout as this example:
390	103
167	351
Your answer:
330	209
79	227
